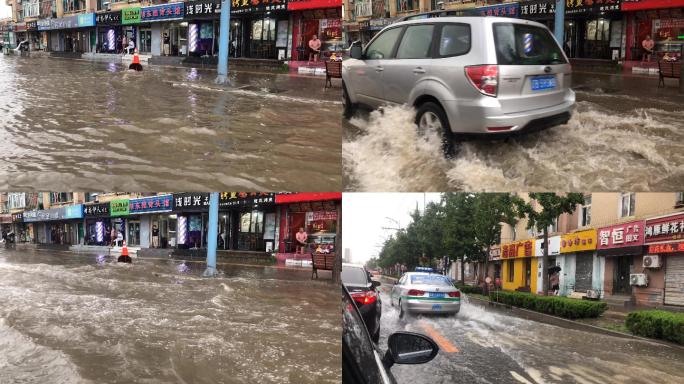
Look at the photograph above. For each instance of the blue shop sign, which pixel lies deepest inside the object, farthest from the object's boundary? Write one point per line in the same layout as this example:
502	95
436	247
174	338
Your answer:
43	24
86	20
62	213
163	203
502	10
162	12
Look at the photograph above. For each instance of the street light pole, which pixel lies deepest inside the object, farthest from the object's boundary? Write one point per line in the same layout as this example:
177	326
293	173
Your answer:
224	38
213	235
558	29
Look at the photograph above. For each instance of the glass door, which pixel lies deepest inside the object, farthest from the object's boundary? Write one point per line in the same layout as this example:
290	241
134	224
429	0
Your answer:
235	38
145	40
133	233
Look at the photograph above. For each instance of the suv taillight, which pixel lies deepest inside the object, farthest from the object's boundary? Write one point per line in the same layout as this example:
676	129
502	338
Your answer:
485	78
363	298
415	292
455	294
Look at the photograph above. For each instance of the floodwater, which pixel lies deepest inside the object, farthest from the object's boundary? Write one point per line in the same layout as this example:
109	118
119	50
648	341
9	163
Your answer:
617	139
499	348
87	319
71	124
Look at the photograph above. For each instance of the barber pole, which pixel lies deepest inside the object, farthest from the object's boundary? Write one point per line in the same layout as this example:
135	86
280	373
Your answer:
193	37
99	229
111	40
182	229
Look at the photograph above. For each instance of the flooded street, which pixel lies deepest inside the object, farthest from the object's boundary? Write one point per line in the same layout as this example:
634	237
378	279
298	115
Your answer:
494	346
87	319
621	137
73	125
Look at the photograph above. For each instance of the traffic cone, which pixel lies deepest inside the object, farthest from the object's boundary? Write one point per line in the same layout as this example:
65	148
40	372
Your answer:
124	258
135	65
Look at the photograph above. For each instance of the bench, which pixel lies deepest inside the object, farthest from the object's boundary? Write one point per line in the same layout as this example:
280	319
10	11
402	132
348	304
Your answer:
323	261
333	69
667	69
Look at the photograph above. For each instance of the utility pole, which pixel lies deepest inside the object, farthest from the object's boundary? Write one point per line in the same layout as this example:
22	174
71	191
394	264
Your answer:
213	235
224	51
559	26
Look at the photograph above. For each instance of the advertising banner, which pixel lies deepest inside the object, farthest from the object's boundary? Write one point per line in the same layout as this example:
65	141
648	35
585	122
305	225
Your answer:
130	15
621	235
120	207
229	199
163	203
579	241
663	229
161	12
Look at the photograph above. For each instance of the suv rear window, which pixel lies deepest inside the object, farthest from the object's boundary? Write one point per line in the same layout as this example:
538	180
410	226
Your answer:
519	44
354	276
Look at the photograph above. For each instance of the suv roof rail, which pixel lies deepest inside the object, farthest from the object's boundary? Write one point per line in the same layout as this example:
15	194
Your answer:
439	13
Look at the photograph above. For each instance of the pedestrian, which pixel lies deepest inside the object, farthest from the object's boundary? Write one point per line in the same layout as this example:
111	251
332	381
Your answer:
131	47
113	236
301	238
155	236
124	44
554	281
647	45
119	239
315	46
167	44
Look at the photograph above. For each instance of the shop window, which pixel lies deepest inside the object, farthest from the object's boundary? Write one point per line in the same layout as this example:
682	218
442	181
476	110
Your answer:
679	200
407	5
585	215
511	270
627	201
61	197
554	226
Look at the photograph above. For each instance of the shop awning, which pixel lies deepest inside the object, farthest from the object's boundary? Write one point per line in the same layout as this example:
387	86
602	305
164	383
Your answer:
307	196
621	251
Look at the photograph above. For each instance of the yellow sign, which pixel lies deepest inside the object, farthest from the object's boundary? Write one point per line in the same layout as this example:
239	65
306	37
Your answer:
523	248
579	241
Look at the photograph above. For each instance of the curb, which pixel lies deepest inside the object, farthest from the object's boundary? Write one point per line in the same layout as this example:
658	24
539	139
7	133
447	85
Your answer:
558	321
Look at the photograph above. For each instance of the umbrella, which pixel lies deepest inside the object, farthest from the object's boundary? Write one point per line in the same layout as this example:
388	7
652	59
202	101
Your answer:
554	269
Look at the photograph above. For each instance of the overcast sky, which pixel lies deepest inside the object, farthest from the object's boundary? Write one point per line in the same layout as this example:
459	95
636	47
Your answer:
5	11
365	214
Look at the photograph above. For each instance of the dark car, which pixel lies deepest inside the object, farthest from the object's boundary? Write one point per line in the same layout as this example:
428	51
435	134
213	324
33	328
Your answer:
364	292
363	362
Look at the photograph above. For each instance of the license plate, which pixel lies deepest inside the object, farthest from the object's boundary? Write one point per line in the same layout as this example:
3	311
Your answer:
437	294
541	83
436	307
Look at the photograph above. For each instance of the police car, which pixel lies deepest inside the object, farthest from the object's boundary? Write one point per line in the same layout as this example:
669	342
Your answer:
424	291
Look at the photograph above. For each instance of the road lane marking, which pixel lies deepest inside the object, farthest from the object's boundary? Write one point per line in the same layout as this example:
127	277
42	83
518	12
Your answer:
442	341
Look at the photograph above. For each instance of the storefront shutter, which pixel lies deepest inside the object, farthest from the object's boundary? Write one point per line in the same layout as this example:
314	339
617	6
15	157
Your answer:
674	280
583	271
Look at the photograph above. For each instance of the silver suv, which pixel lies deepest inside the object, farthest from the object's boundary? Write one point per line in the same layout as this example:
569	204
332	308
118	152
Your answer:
466	75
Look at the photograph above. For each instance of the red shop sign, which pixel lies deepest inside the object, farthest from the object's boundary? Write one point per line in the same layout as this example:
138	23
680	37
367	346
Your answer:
636	5
294	5
666	228
666	248
511	250
324	215
621	235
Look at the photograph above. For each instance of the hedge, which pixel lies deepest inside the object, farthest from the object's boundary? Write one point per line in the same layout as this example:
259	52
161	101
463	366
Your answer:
469	289
552	305
657	324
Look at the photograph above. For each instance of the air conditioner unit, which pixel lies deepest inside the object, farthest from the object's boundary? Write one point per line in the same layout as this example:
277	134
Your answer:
638	279
652	261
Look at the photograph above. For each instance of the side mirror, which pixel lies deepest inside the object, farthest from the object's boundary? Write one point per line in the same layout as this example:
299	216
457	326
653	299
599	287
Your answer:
356	52
375	283
409	348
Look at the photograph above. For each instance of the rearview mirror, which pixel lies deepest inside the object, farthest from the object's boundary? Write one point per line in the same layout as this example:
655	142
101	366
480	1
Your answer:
355	52
375	283
409	348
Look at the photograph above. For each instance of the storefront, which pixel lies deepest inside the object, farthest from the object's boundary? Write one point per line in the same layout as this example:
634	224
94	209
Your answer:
131	29
518	266
662	20
71	33
63	225
22	231
259	29
321	18
98	225
203	17
33	36
554	260
664	261
620	247
109	31
7	35
119	210
370	28
317	212
247	221
541	11
578	264
168	32
495	267
593	29
6	224
144	214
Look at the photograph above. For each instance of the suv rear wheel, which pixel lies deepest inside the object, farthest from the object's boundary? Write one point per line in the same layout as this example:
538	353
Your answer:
431	117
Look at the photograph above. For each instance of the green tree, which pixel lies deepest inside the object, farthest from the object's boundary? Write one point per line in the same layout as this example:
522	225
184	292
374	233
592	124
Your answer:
458	232
541	212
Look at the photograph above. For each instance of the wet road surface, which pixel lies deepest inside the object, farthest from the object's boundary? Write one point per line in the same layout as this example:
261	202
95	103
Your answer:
625	134
491	346
87	319
71	124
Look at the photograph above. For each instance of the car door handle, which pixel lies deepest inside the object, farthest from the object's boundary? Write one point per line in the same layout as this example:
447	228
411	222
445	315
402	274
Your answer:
379	69
418	70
